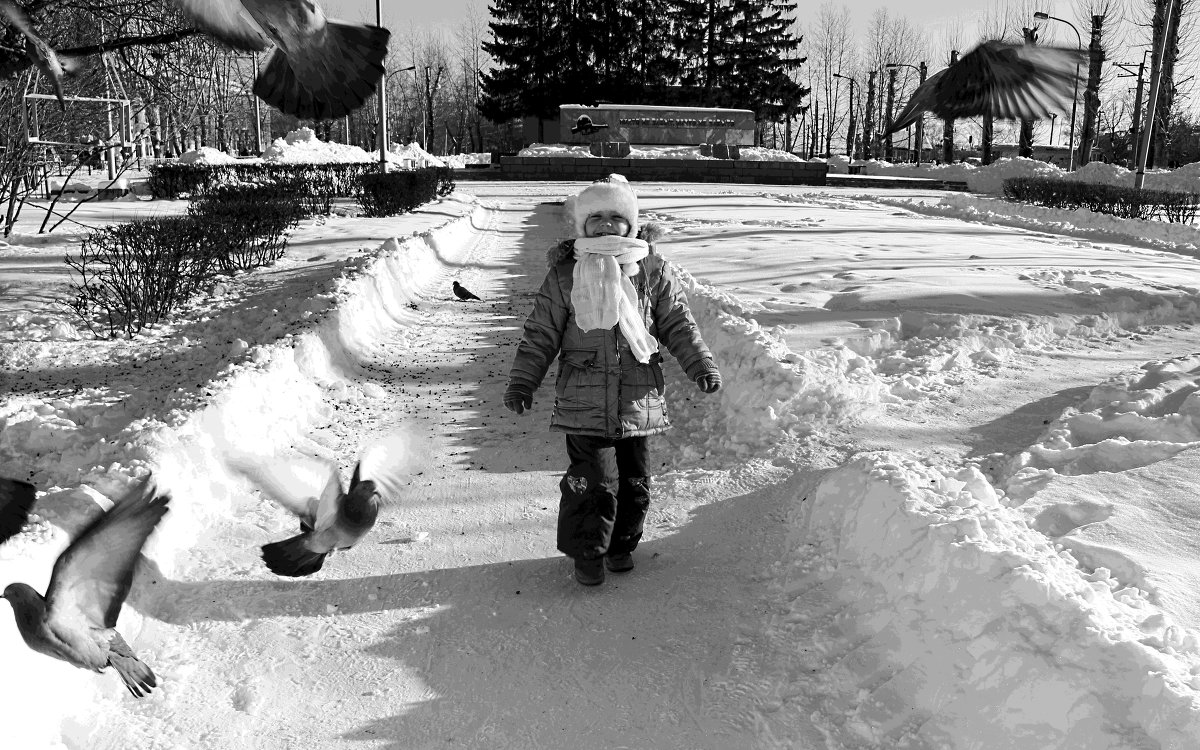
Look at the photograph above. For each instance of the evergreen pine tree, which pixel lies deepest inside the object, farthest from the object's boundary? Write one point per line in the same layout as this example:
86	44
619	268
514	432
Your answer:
705	47
528	45
764	51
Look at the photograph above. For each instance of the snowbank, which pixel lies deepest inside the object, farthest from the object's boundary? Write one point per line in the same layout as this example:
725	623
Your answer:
267	398
645	151
206	155
1080	222
413	153
303	147
977	619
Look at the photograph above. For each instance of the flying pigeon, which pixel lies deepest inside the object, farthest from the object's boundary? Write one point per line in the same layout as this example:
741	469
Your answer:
320	69
41	53
76	621
332	517
463	293
1007	81
16	500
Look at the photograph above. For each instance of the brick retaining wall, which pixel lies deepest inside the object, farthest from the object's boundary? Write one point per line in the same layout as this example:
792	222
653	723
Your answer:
664	170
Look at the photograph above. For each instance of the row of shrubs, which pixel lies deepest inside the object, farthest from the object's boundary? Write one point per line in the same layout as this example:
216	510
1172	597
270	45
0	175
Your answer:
1117	200
172	180
322	181
134	275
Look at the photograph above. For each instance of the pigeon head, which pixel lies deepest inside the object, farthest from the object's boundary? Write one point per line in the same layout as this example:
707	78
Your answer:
26	602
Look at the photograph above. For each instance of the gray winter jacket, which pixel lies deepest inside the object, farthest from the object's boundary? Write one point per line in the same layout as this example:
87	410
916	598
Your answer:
601	389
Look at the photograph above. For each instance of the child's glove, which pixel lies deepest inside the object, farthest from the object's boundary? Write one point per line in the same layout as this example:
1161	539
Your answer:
709	382
517	399
706	375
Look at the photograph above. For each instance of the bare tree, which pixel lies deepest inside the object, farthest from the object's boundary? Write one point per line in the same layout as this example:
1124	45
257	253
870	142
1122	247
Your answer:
892	39
831	51
471	59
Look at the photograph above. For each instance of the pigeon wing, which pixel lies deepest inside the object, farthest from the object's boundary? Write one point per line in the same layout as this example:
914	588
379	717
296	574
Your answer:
16	501
1009	81
923	100
300	484
334	69
390	460
92	576
228	21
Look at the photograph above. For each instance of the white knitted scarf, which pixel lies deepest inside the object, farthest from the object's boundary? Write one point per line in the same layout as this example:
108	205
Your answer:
603	296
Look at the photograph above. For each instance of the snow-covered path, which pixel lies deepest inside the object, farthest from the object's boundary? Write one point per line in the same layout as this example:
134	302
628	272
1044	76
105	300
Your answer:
458	624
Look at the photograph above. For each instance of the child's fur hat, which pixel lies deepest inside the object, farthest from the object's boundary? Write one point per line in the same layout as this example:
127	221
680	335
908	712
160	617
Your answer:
612	193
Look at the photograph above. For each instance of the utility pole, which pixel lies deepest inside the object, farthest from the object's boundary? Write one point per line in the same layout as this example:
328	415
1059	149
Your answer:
850	130
869	121
1139	177
1135	124
891	101
948	128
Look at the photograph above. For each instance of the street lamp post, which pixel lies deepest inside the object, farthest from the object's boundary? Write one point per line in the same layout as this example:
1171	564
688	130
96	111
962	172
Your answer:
850	130
424	110
891	101
1079	45
382	130
921	71
1053	120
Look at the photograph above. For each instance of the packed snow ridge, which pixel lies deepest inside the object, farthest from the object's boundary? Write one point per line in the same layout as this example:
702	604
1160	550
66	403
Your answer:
984	611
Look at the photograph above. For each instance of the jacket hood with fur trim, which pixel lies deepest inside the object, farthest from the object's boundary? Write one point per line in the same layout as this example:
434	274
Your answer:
650	232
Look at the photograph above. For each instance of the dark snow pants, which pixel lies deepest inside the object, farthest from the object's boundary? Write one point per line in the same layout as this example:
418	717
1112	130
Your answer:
605	495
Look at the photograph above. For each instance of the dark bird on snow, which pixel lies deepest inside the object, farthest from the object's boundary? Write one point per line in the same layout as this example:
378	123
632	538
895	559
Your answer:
39	51
320	69
463	293
1007	81
76	620
16	501
332	517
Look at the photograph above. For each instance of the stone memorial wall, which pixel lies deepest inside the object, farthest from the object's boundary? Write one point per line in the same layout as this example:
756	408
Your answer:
652	125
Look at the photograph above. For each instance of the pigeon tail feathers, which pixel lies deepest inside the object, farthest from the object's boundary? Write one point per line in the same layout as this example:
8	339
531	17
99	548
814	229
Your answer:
16	503
292	557
329	79
138	677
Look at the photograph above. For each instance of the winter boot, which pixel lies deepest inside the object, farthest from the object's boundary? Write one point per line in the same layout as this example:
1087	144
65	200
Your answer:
619	563
589	572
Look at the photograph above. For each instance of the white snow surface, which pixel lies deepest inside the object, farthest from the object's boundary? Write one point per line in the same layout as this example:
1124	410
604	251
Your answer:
944	500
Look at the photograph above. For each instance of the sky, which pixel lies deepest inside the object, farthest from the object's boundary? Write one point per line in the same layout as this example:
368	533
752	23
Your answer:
945	494
399	14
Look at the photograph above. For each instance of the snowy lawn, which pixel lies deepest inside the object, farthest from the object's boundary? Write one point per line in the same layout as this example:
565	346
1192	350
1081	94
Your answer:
945	499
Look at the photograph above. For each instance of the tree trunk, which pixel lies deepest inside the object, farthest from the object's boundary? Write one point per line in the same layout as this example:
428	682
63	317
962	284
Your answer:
1025	140
1166	92
156	132
948	129
1091	96
985	139
869	120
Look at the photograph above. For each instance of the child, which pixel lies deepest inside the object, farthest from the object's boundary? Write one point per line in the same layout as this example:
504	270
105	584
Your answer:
604	306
